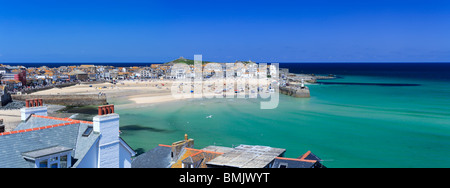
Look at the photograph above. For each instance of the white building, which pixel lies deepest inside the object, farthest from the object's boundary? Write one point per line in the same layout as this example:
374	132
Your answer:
40	141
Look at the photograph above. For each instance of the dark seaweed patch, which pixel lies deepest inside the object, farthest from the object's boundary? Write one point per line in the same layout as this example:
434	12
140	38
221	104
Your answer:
142	128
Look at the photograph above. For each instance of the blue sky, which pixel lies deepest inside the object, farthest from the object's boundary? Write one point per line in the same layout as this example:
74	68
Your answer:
225	31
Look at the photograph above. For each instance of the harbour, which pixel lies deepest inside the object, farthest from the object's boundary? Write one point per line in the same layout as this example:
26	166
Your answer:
347	125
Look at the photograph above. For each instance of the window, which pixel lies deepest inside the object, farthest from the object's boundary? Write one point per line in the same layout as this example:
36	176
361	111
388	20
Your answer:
56	161
43	164
63	161
283	165
88	131
53	159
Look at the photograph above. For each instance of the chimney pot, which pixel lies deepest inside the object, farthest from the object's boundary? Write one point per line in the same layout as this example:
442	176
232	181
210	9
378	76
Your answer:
106	109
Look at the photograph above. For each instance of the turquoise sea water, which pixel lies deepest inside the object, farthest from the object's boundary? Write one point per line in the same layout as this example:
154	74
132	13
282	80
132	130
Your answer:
345	125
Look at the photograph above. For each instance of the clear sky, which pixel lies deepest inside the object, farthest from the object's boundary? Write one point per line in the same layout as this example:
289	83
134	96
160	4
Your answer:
225	30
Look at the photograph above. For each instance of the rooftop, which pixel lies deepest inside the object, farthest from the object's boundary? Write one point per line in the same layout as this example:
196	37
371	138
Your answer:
242	156
246	156
44	135
45	152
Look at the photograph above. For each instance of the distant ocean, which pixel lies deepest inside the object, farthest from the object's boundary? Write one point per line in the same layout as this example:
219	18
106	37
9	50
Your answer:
373	115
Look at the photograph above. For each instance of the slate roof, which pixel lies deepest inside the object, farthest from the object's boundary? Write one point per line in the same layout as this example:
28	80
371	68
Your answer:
41	132
45	152
158	157
35	121
307	160
290	163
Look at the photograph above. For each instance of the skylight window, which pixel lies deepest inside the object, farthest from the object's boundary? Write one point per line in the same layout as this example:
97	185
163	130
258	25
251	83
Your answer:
88	131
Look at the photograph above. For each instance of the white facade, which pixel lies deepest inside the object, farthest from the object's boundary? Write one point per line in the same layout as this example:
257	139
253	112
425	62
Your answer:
90	160
113	152
26	112
109	151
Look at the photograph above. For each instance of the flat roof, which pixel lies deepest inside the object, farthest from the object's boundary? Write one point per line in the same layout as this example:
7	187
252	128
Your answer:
247	156
220	149
45	152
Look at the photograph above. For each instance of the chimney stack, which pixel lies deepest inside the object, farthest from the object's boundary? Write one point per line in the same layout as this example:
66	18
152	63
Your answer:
107	124
177	147
33	106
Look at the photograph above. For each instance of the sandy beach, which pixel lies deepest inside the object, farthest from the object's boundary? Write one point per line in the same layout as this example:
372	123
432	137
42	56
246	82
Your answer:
140	92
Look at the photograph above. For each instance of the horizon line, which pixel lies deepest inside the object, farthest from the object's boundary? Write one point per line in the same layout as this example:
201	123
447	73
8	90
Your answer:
141	62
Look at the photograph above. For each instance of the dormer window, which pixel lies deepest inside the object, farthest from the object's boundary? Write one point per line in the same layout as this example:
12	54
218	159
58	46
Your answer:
283	165
51	157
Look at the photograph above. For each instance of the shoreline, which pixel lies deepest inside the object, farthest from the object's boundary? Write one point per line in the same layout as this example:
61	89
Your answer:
124	94
139	92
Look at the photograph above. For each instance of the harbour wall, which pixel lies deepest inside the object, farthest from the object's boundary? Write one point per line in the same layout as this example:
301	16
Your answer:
42	88
66	100
295	91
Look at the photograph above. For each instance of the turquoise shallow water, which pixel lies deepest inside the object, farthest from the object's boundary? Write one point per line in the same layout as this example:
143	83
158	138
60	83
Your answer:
345	125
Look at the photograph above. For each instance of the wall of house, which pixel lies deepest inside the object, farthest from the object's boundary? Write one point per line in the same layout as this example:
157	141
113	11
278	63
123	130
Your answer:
109	155
124	157
90	160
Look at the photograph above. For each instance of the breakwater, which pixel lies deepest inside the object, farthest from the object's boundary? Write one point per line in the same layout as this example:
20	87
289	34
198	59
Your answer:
295	91
67	100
